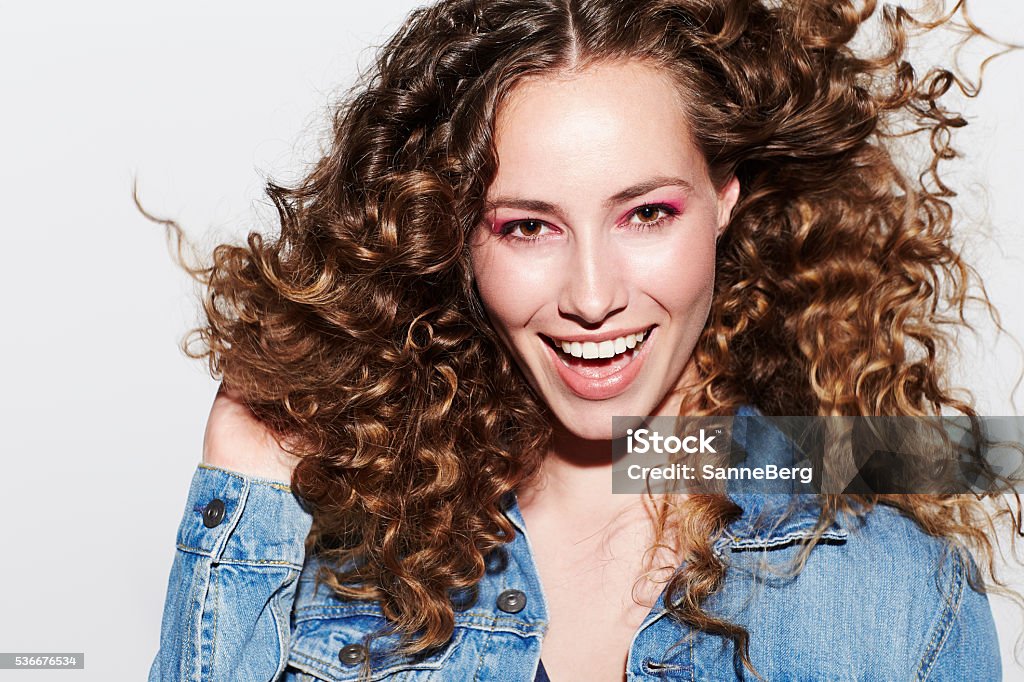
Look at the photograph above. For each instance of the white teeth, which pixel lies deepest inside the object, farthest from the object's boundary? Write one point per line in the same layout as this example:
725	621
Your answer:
589	350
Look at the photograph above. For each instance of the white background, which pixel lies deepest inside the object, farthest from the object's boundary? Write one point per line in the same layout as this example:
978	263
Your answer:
103	416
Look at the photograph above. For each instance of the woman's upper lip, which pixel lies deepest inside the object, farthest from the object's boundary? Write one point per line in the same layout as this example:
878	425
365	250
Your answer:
609	335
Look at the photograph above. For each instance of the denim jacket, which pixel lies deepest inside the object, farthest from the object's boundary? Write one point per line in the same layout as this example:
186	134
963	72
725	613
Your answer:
877	599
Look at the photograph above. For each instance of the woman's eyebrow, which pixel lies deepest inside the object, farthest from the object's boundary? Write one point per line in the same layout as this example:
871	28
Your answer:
630	192
646	186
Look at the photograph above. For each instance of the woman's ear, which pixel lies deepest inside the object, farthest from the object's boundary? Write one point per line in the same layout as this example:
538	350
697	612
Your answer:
727	198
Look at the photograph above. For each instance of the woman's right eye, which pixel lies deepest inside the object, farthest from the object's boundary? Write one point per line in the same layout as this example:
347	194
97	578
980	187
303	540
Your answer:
524	229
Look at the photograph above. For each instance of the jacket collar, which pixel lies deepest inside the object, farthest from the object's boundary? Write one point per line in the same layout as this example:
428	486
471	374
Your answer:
769	520
772	519
764	524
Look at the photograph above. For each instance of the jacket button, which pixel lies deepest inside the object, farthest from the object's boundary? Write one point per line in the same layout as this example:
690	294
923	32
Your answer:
351	654
512	601
213	513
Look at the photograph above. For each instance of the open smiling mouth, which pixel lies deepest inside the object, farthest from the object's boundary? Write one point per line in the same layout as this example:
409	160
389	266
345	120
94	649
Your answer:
599	359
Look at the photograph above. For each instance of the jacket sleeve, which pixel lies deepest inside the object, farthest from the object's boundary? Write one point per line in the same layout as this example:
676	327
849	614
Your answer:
964	645
240	549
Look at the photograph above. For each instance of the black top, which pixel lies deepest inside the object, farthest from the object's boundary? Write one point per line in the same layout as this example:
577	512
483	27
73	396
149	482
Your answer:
542	674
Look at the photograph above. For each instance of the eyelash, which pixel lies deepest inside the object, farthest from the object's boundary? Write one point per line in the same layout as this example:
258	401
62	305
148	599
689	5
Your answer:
668	212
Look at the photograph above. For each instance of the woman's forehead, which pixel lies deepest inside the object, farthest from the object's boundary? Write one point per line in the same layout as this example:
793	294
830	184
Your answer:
609	125
639	80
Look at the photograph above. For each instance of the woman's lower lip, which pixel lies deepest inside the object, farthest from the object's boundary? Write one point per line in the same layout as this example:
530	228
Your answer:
604	387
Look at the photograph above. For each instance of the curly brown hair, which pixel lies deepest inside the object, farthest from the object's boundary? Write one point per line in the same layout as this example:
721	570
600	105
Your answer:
357	331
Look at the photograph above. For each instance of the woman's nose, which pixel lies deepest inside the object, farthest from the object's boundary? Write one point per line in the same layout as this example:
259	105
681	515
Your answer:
593	283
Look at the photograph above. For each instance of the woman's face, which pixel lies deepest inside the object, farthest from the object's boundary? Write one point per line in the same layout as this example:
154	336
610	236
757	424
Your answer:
596	258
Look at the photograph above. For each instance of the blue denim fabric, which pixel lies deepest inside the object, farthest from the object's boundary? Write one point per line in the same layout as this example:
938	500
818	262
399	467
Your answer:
877	600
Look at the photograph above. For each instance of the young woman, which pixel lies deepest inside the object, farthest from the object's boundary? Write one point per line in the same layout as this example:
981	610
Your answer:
536	215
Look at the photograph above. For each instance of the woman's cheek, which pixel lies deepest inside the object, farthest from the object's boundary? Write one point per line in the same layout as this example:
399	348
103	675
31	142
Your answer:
678	276
512	286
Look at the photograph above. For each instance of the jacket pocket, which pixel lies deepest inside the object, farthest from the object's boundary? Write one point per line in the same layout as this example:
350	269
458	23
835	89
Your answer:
333	648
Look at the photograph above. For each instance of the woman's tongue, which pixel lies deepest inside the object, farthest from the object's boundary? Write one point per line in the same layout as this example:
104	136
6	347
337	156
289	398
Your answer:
598	367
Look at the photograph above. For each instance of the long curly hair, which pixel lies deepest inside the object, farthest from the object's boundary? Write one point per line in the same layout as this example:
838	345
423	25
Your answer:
356	332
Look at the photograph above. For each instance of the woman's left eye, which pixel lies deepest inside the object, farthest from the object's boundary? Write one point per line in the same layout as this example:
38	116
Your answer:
651	215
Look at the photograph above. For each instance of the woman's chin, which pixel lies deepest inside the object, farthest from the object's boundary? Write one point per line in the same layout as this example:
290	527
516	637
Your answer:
598	424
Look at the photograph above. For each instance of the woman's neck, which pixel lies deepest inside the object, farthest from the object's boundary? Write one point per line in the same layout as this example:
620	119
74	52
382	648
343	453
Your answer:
570	505
575	482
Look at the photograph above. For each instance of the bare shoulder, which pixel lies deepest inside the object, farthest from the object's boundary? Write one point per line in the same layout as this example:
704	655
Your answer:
236	440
